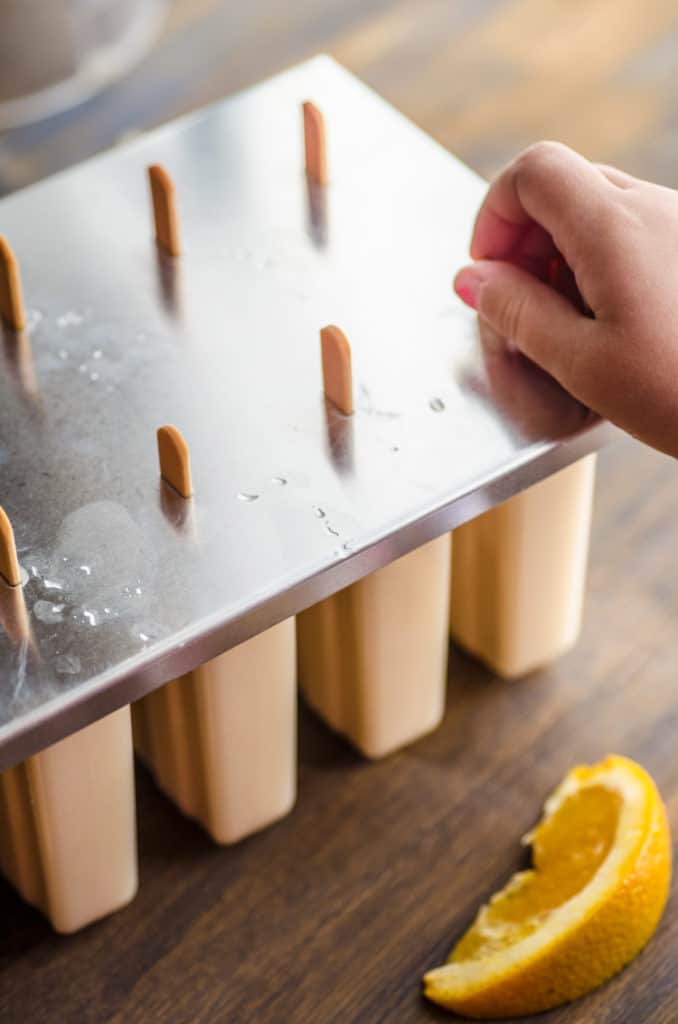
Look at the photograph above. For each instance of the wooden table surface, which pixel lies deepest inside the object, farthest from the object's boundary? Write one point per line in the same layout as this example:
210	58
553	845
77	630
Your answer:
333	915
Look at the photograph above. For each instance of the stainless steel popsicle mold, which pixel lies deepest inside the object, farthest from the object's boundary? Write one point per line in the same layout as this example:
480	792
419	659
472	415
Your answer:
128	586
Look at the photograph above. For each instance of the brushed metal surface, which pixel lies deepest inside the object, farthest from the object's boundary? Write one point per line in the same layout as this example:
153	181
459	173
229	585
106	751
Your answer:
128	585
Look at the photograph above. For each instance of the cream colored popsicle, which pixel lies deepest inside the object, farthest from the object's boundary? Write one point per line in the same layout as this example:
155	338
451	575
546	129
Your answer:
373	658
519	573
221	741
67	825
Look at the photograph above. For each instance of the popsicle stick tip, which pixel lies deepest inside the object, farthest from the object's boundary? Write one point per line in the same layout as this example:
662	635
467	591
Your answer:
175	460
11	301
315	144
337	373
165	213
9	564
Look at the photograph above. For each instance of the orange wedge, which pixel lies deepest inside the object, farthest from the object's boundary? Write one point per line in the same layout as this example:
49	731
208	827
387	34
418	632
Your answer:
596	892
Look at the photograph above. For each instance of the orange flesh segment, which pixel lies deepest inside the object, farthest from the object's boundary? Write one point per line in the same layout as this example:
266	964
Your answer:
568	849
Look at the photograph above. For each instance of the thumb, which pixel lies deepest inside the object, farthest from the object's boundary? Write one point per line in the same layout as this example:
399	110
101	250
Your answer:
533	317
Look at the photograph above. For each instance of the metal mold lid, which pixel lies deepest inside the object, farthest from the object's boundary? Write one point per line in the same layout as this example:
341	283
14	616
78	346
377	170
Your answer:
129	585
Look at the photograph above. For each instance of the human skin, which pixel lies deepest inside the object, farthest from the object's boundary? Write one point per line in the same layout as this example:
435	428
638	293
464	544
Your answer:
576	265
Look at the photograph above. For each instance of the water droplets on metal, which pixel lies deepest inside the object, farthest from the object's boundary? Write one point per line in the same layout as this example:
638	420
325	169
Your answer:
67	664
70	319
45	611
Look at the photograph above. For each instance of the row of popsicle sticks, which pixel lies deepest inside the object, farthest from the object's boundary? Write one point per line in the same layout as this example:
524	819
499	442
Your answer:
175	465
371	660
165	215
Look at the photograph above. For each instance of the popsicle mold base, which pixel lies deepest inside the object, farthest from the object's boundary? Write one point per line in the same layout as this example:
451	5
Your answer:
373	657
520	572
68	824
221	741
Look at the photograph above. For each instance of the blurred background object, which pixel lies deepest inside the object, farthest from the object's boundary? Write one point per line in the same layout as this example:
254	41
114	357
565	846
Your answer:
56	53
485	77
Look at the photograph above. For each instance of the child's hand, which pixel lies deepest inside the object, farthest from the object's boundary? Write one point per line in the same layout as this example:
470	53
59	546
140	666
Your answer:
610	334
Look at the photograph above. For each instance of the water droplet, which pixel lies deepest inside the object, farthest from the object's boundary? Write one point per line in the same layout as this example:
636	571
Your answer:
244	496
437	404
70	319
137	590
86	569
67	664
319	512
94	377
63	353
45	611
51	585
395	448
279	480
33	318
82	368
91	617
330	529
142	636
97	354
107	611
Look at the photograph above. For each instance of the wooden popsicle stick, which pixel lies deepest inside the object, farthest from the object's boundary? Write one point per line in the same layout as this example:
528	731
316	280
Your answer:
337	375
9	564
315	144
175	460
11	301
165	214
14	615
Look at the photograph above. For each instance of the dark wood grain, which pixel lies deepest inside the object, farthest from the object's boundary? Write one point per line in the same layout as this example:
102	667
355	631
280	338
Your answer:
333	915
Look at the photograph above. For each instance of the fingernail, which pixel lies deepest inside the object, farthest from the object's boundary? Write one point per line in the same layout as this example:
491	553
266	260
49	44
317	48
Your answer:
467	285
